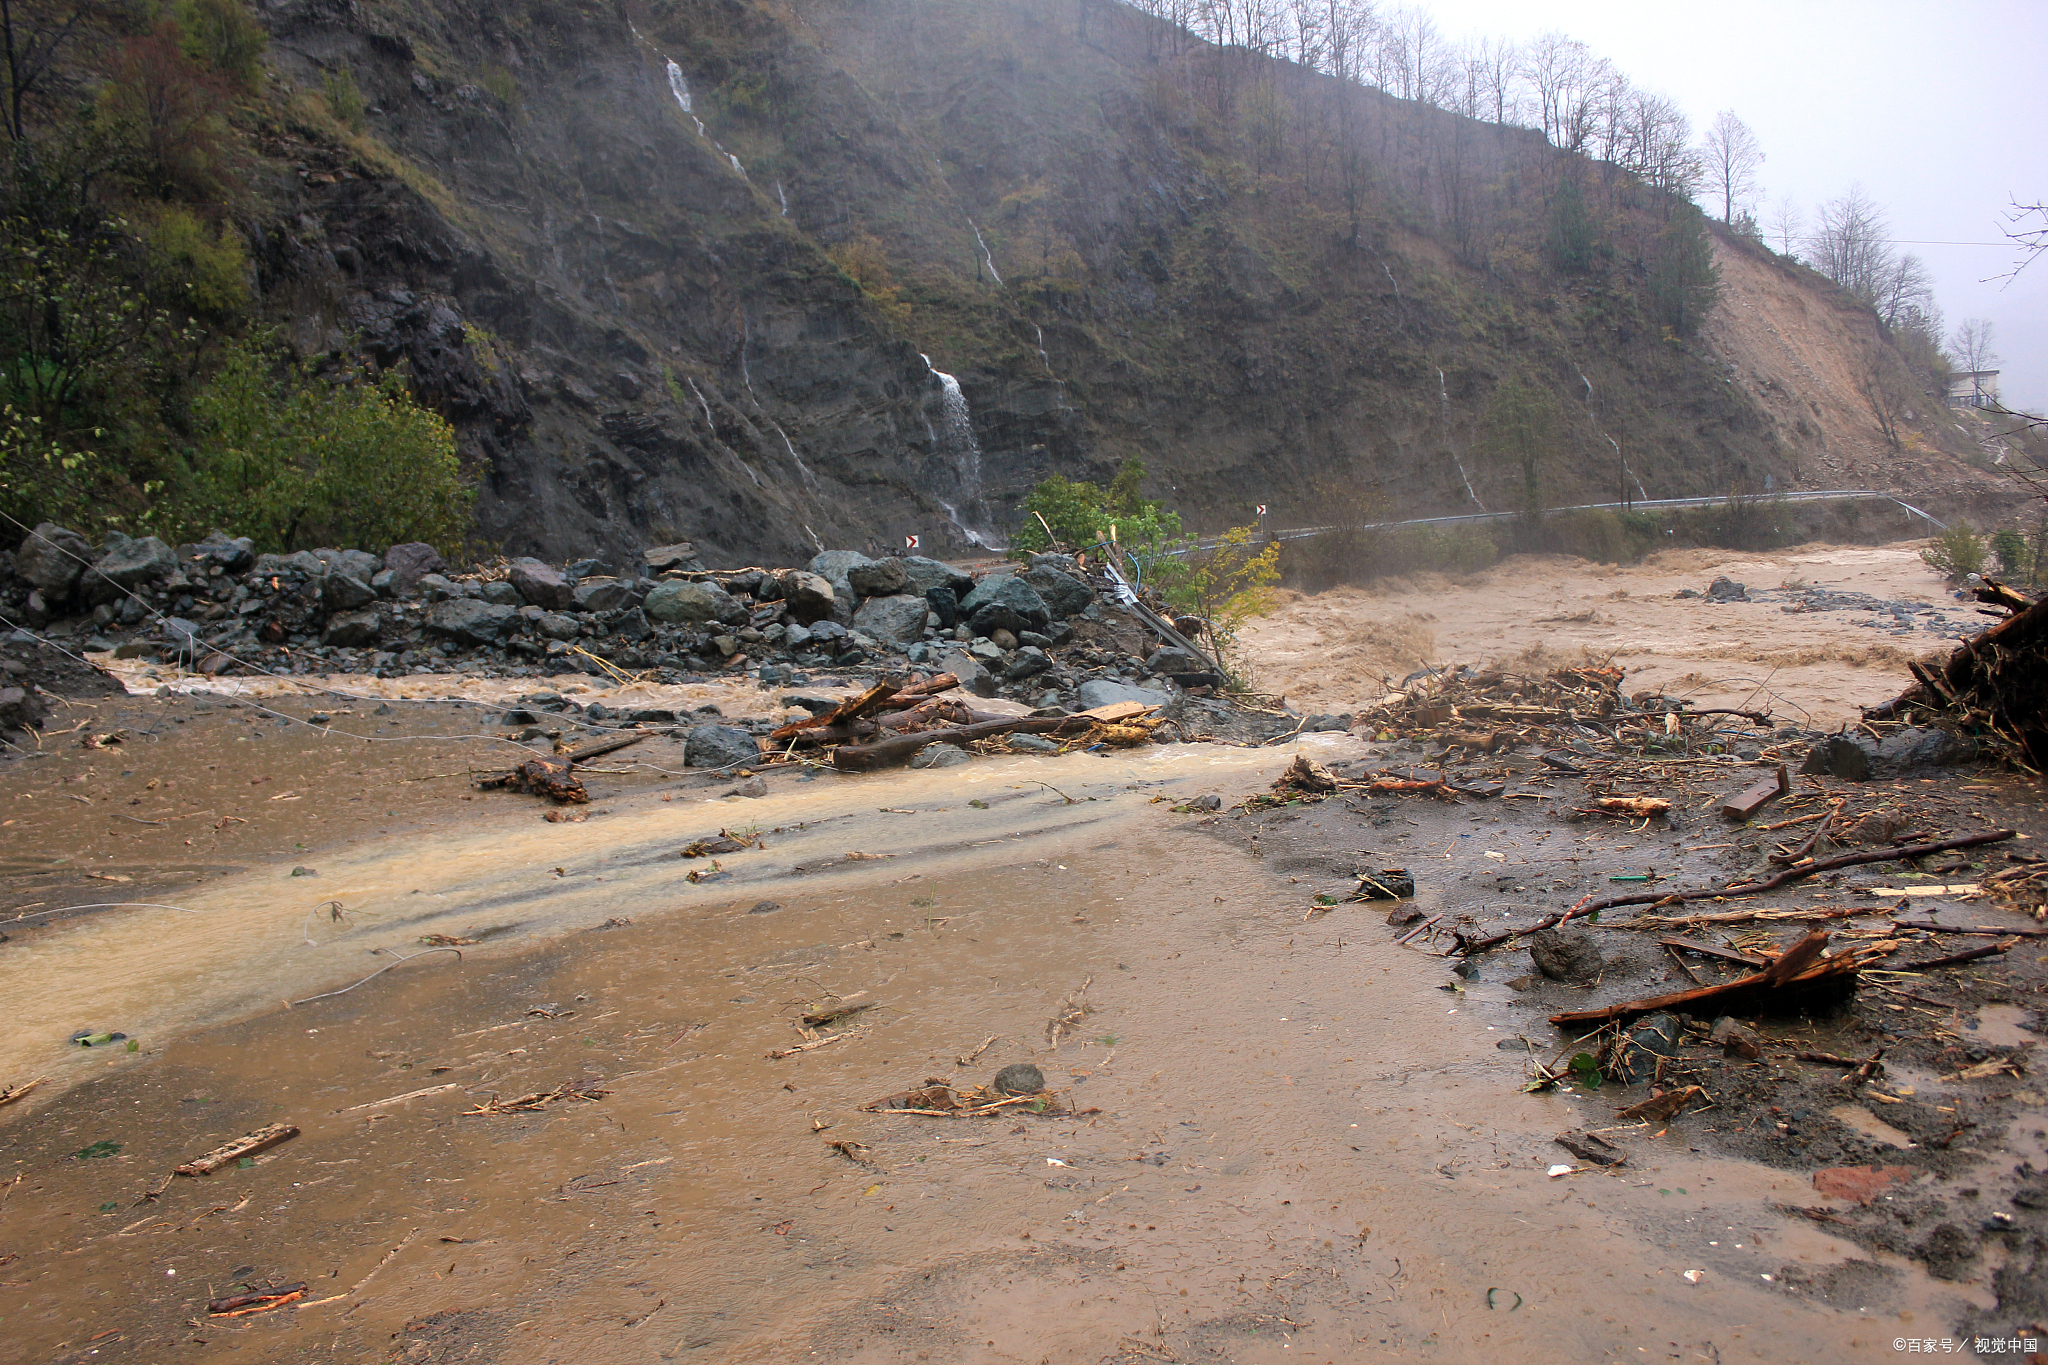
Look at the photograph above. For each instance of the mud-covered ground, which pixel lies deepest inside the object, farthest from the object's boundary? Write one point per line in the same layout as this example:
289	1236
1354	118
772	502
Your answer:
1296	1137
1954	1121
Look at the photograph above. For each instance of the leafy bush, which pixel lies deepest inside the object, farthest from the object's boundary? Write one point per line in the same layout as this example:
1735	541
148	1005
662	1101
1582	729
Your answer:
205	272
166	119
1956	553
1081	515
223	34
40	480
2015	556
345	98
301	459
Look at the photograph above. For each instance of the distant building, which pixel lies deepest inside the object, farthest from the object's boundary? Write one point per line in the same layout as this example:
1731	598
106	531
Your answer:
1973	389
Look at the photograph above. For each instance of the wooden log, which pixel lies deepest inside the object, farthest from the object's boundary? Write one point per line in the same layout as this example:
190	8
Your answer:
851	1005
249	1144
853	708
860	758
1746	803
1979	931
1797	958
1757	984
2004	945
553	777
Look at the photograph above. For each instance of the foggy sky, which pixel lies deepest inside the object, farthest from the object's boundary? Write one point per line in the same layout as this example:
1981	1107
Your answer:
1940	112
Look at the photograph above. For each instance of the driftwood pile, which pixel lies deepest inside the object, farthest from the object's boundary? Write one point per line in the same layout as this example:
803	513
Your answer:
554	777
890	722
1993	688
1494	710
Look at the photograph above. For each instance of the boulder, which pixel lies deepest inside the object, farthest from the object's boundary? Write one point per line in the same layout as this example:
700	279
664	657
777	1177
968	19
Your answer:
436	588
541	585
21	709
470	622
693	604
926	574
939	756
1655	1039
896	618
1849	757
1064	594
1912	749
973	676
942	603
1725	589
719	746
304	564
631	624
353	629
1566	955
832	566
1173	659
1105	692
878	578
125	565
354	563
500	592
808	597
409	563
1029	662
51	559
602	594
1006	603
1020	1078
667	558
341	592
556	625
230	555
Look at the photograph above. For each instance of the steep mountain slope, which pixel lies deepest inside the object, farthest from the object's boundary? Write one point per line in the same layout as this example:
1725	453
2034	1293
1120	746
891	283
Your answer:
673	268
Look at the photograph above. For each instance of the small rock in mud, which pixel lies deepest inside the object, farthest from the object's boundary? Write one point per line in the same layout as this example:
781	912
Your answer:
765	907
1403	914
304	872
1566	954
1737	1039
1020	1078
1208	802
1657	1037
1948	1252
940	756
1591	1148
753	786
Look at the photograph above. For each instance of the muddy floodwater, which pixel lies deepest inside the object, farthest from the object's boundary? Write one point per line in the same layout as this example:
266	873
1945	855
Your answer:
1289	1138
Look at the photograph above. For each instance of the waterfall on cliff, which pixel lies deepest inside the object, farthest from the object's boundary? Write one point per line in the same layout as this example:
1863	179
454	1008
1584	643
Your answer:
986	259
680	88
1444	394
956	441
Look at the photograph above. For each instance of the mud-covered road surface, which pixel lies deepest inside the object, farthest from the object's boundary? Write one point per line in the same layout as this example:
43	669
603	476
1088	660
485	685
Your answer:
1296	1141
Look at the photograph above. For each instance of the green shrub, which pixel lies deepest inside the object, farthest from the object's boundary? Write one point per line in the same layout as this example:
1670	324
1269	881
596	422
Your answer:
345	99
1079	514
223	34
206	273
295	459
1956	553
41	480
2015	556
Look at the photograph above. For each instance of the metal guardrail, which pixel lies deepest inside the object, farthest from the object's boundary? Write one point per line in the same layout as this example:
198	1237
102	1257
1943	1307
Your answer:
1469	518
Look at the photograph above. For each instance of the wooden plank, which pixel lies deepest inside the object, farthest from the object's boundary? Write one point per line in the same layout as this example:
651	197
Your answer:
1693	945
1117	710
262	1140
1748	802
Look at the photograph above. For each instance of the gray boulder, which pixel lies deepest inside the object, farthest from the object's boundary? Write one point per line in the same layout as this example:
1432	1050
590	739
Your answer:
926	574
602	594
943	604
1173	659
667	558
541	585
1103	692
632	624
1007	603
125	565
437	588
878	578
1849	757
21	709
556	625
693	604
1912	749
230	554
1029	663
939	756
1566	955
833	565
896	618
500	592
973	676
1725	589
51	559
409	563
1064	594
720	746
353	563
303	564
341	592
808	597
470	622
353	629
1655	1039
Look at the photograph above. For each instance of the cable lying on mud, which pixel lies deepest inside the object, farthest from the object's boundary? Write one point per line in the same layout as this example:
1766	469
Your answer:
325	995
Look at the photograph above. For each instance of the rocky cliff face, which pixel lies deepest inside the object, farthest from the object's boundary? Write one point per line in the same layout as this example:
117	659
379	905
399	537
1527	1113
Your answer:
674	269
